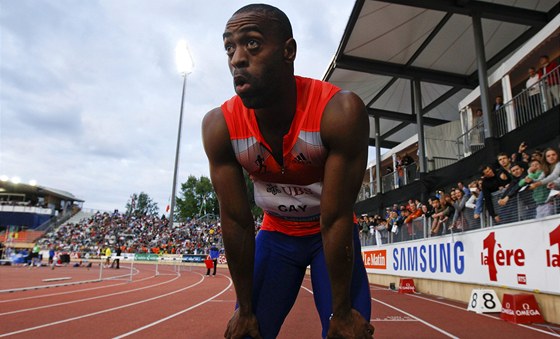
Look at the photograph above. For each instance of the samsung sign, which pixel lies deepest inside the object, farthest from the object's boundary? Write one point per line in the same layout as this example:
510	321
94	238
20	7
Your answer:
443	258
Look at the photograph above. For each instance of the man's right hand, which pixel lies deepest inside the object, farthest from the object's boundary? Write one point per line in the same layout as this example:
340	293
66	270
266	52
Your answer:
240	326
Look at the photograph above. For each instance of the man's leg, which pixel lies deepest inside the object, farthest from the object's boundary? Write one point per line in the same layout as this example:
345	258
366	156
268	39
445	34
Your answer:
280	264
322	293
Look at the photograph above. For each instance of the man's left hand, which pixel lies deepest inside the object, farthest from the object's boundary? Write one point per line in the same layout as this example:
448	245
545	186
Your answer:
351	326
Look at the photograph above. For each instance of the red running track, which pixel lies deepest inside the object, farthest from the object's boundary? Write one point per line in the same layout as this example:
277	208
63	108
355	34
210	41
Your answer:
187	304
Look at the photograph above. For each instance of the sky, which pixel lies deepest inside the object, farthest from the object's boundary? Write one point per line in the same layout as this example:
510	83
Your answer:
90	94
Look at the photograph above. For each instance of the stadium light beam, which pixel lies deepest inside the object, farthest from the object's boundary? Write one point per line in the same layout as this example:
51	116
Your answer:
185	66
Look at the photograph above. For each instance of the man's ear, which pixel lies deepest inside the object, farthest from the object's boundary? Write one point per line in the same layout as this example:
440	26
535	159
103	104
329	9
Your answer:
290	49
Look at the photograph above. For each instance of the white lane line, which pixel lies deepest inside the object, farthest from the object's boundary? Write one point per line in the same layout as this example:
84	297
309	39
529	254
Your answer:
408	314
178	313
101	312
70	292
87	299
414	317
29	288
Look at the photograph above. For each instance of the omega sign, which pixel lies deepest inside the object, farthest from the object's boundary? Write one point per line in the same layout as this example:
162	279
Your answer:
525	310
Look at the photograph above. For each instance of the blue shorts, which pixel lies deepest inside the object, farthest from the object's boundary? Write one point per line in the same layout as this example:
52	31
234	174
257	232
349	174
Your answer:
280	265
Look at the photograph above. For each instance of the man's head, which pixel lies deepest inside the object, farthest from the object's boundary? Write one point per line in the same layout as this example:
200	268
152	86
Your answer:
517	170
543	60
435	203
532	71
487	171
504	160
499	99
261	52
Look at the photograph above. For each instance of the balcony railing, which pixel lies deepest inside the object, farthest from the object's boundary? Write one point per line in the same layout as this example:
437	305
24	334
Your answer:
519	208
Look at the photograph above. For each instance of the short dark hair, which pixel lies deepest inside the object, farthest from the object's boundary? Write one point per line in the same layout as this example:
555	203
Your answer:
272	13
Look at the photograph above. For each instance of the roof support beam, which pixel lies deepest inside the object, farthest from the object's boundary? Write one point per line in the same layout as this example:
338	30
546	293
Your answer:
403	71
384	143
403	117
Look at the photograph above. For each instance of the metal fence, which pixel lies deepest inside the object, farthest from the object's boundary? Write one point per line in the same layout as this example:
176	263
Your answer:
529	104
527	205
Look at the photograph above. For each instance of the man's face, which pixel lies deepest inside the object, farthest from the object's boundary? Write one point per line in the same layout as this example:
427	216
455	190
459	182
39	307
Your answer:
503	160
255	58
488	172
543	61
517	171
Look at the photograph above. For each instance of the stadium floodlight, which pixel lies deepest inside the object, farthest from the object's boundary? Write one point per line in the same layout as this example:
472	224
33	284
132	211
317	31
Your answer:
16	180
33	182
183	58
185	66
4	178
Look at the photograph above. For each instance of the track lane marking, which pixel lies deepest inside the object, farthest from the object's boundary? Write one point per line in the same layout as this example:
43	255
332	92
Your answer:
178	313
101	312
70	292
408	314
88	299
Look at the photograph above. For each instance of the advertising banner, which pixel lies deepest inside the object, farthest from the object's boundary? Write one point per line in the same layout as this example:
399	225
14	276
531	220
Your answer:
523	256
146	257
198	258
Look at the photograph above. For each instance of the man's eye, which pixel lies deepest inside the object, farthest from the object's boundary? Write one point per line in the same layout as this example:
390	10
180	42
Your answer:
252	44
229	49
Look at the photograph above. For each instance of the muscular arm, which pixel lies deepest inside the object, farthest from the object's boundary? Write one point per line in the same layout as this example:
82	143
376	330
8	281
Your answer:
345	132
237	222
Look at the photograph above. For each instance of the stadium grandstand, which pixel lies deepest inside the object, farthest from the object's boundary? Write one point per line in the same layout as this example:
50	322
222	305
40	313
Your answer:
28	211
451	95
446	85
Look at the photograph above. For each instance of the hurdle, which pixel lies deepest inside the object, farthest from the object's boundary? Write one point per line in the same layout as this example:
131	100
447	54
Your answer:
123	259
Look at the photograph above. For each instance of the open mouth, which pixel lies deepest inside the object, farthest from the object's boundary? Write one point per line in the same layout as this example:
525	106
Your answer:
241	84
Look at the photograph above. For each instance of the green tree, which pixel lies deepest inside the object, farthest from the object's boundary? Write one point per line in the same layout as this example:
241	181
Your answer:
141	204
197	199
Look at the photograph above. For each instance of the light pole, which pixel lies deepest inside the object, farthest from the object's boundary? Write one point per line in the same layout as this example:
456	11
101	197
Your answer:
185	66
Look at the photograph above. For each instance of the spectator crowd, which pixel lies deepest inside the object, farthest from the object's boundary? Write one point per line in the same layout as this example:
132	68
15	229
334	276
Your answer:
516	187
133	234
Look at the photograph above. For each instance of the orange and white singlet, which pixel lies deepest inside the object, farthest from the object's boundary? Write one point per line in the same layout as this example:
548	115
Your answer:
289	195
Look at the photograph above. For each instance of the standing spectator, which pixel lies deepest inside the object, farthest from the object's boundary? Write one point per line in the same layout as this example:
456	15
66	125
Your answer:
414	213
548	72
116	262
504	165
534	92
108	254
35	260
511	191
551	173
214	255
51	255
498	103
477	129
459	221
438	217
490	184
381	231
409	170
